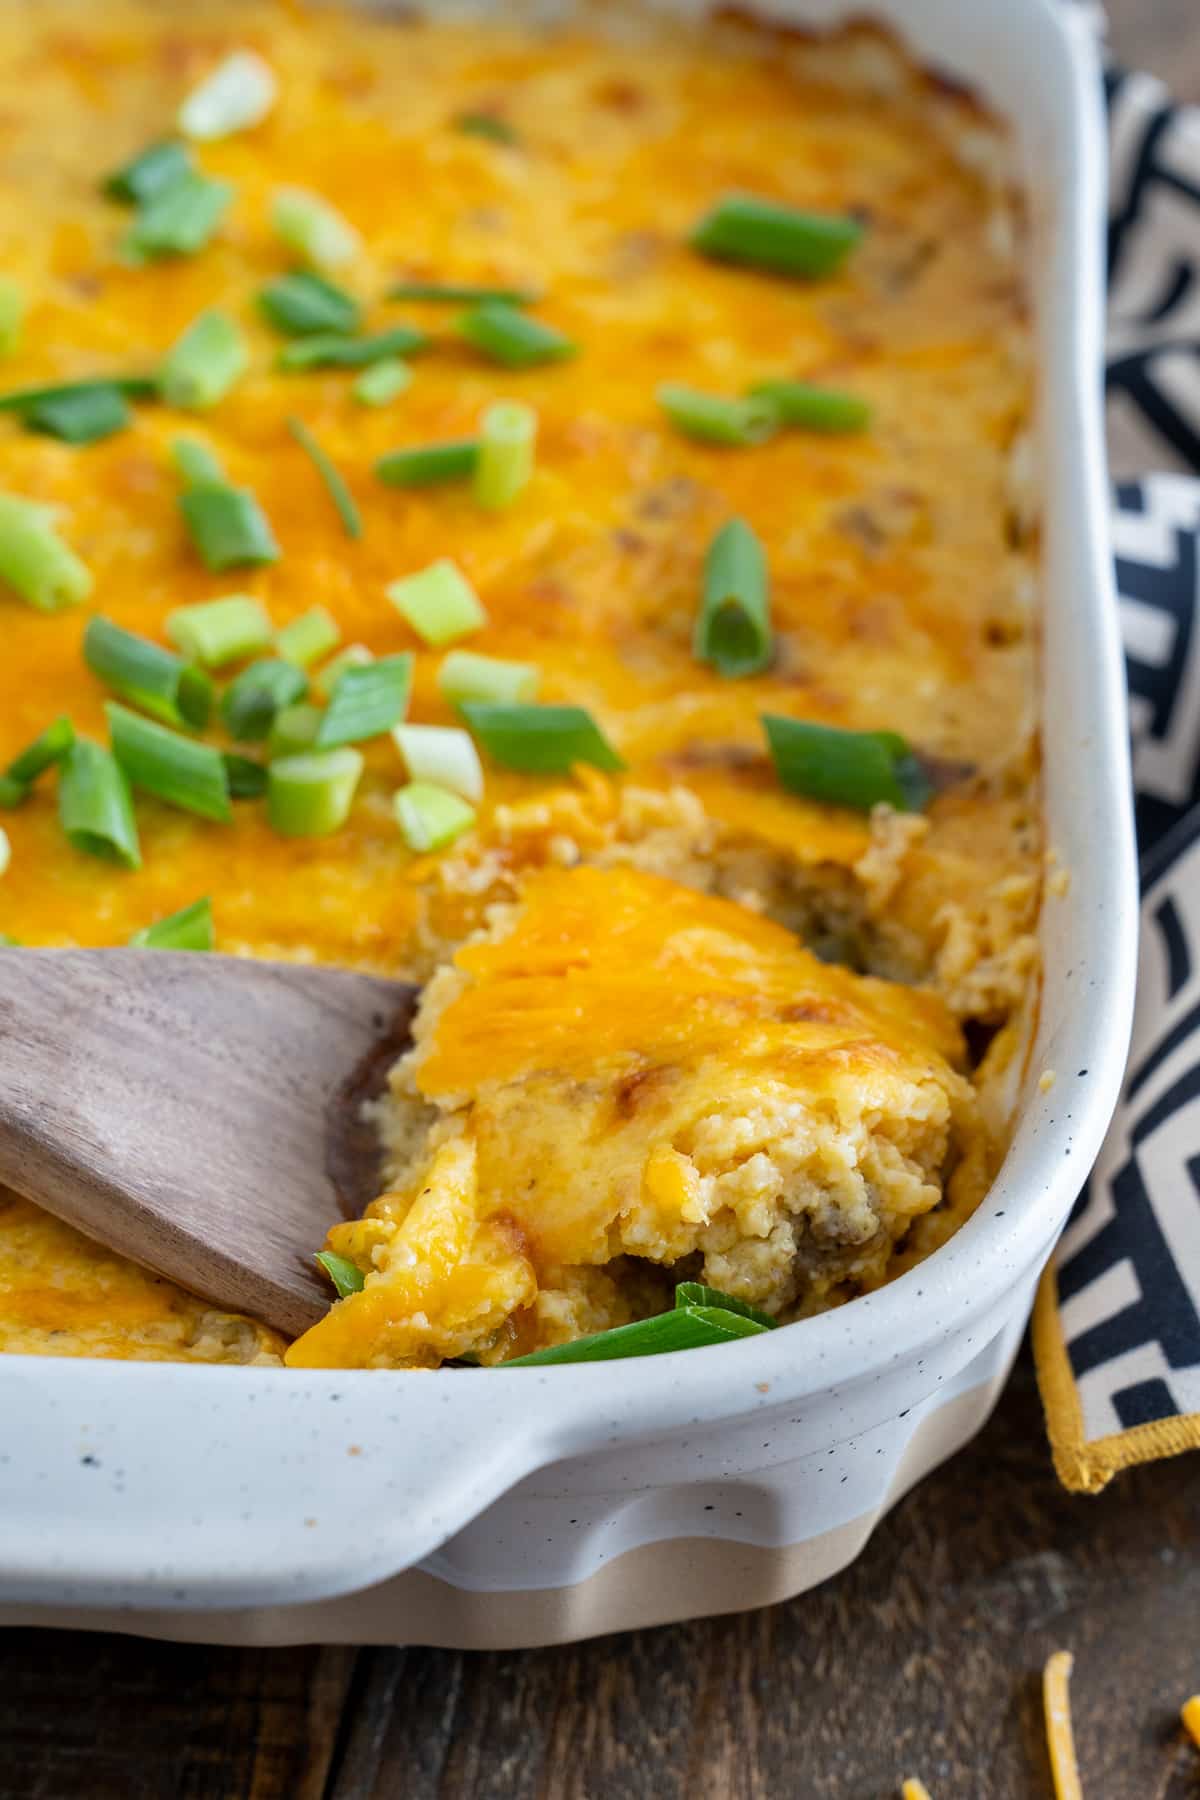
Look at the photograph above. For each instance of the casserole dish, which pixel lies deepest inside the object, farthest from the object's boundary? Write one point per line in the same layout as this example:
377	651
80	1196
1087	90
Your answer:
543	1505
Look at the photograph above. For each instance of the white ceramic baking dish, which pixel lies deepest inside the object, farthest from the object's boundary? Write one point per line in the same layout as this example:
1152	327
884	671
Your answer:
536	1506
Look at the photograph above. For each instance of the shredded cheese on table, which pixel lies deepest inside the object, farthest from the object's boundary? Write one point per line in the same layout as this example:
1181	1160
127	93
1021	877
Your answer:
1060	1739
913	1789
1189	1712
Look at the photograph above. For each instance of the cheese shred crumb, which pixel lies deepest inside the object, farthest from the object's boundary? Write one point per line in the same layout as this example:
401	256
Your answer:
1060	1739
1189	1712
913	1789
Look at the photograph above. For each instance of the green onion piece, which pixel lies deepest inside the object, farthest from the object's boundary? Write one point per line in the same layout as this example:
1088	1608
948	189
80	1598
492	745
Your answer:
228	527
506	448
733	631
216	632
252	699
294	730
34	561
812	408
382	381
133	387
346	1276
238	93
95	806
335	483
157	167
485	125
686	1328
12	793
461	295
247	778
465	675
314	634
695	1293
513	338
431	465
430	817
354	656
315	231
149	677
12	943
540	740
310	796
12	315
439	603
302	302
762	234
93	412
191	928
175	769
443	755
366	701
713	419
331	350
846	768
196	465
180	219
48	748
203	365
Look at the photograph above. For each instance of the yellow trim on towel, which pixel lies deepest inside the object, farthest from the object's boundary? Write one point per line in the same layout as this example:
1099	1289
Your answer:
1082	1466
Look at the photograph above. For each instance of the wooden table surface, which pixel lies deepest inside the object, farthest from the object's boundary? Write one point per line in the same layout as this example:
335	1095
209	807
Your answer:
923	1657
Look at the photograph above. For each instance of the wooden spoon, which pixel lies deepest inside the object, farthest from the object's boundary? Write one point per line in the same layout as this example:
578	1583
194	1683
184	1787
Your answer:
202	1114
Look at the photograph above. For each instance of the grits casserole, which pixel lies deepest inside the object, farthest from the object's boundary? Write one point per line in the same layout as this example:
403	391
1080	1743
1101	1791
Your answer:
611	446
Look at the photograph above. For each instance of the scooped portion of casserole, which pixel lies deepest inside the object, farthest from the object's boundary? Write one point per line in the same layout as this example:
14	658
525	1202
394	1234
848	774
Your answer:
538	508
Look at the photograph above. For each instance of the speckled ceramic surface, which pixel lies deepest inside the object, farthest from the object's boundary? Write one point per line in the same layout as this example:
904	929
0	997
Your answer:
535	1506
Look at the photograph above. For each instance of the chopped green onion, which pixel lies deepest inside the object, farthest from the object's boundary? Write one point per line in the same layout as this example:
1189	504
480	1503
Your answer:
461	295
694	1293
713	419
12	315
180	219
133	387
95	806
513	338
506	448
196	465
175	769
382	381
12	793
191	928
465	675
439	603
846	768
331	476
247	778
485	125
314	634
540	740
333	350
763	234
48	748
301	303
238	93
216	632
94	411
354	656
12	943
228	527
366	701
442	754
313	229
149	677
34	561
253	698
813	408
157	167
346	1276
685	1328
430	465
310	796
733	630
203	365
294	729
430	817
